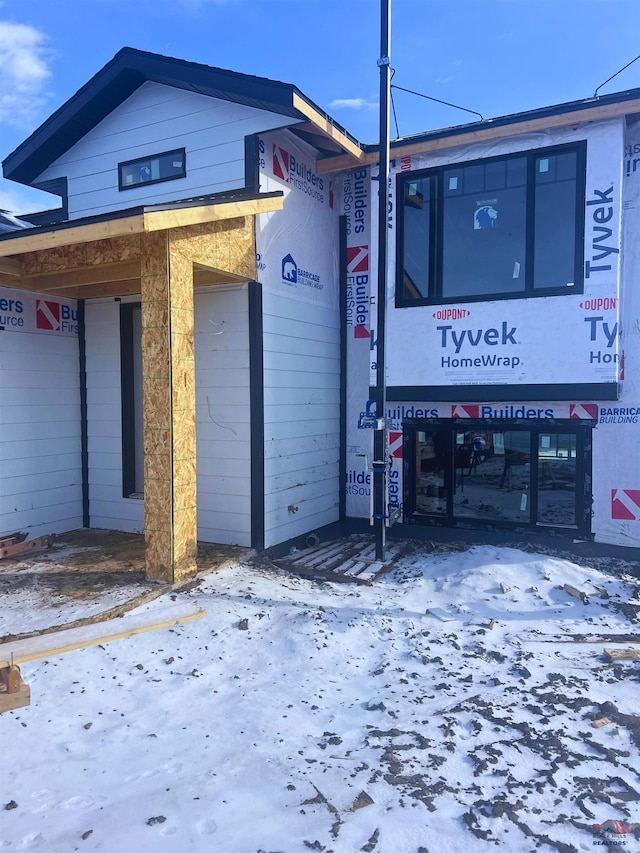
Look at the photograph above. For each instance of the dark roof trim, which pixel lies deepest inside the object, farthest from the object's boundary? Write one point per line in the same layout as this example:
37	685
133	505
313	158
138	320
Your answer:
119	78
201	201
513	118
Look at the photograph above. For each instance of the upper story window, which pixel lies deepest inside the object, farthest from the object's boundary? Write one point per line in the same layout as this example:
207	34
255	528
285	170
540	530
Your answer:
498	228
152	170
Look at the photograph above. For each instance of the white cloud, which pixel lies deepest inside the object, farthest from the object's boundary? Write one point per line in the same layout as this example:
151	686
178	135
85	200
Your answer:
444	79
24	73
353	104
19	199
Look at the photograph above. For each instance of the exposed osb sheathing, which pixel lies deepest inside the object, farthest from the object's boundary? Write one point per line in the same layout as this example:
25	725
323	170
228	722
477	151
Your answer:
94	253
229	245
168	366
226	247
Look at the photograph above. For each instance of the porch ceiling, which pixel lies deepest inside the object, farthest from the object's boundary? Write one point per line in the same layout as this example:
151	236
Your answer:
102	258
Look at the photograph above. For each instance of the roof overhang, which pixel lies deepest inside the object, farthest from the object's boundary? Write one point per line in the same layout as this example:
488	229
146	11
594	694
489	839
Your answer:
67	259
129	69
157	218
577	112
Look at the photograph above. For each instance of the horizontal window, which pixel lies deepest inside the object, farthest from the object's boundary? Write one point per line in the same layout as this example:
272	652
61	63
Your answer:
152	170
497	228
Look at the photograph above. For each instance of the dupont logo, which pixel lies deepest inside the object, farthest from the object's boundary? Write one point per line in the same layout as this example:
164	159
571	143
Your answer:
357	259
625	504
600	303
465	411
395	444
281	163
451	314
47	315
583	411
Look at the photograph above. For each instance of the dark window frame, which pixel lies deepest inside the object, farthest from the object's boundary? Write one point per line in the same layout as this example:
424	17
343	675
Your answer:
148	158
584	466
436	217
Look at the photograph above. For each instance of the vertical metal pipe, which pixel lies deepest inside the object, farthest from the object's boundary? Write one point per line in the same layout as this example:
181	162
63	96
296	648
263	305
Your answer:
380	435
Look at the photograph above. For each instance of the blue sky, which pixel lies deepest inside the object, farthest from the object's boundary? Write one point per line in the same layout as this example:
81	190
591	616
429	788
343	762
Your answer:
493	56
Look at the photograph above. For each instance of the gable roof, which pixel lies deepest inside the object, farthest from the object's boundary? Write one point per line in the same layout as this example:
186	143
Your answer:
128	70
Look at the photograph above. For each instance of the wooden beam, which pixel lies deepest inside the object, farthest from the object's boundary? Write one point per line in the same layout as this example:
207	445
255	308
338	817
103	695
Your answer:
328	129
481	134
48	282
101	291
69	236
10	267
162	220
204	276
326	165
70	639
317	137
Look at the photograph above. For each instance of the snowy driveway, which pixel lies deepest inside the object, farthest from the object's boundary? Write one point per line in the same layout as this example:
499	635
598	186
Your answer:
320	716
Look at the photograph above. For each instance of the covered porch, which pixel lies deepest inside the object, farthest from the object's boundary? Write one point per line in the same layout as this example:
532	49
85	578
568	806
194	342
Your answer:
161	253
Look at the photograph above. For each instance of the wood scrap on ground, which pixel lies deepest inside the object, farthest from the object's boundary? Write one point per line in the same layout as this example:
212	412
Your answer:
15	694
622	654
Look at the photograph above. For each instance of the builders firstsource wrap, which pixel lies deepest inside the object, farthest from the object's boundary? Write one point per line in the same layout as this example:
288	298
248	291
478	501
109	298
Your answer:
297	248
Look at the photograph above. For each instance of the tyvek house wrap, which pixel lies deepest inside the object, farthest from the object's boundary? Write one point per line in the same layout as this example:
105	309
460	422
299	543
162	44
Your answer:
616	440
557	339
565	339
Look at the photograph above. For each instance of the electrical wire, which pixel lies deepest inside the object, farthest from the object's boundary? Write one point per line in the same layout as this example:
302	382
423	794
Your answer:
438	101
595	94
393	104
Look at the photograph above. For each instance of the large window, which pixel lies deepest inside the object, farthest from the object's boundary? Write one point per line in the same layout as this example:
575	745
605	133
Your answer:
499	228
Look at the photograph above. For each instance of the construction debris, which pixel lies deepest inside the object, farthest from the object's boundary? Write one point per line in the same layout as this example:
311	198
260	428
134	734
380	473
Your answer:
576	593
622	654
603	721
17	543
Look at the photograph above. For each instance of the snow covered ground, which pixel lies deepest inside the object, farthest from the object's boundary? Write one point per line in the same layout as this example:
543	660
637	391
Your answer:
303	715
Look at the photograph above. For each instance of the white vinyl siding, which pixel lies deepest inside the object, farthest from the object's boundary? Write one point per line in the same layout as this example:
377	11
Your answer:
223	428
302	417
41	483
158	118
223	415
107	507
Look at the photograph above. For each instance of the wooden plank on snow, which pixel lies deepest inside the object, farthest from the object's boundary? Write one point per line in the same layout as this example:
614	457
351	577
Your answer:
70	639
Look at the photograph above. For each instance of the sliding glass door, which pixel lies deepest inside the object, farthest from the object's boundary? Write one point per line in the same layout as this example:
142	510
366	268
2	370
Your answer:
520	474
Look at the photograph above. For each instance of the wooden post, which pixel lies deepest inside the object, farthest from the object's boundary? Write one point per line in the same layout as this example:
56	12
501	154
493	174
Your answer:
168	368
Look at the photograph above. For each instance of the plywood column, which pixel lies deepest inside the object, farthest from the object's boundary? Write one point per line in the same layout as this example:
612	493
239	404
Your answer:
168	368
